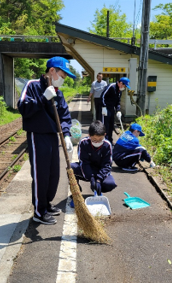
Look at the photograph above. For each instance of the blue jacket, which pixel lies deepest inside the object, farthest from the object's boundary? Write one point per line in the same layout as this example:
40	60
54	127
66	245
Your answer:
37	111
111	97
125	145
94	159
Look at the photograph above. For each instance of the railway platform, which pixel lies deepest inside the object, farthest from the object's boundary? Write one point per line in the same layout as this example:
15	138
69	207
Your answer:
141	246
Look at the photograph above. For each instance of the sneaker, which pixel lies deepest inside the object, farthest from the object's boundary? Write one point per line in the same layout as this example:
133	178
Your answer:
53	210
44	219
130	169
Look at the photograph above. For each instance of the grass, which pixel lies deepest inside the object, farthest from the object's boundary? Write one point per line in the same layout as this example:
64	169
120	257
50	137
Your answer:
69	93
9	115
157	141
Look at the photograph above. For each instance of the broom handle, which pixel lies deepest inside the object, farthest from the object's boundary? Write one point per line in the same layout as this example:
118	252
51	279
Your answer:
56	115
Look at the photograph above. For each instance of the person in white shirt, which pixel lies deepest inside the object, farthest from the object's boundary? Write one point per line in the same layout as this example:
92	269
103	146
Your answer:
96	89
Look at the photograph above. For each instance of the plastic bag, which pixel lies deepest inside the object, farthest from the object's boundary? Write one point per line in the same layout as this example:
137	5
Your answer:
75	131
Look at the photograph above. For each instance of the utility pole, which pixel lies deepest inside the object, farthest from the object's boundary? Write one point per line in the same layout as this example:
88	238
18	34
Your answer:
143	61
107	27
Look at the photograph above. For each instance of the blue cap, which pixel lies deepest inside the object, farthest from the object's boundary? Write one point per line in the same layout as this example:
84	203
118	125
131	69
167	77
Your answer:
125	81
138	128
61	63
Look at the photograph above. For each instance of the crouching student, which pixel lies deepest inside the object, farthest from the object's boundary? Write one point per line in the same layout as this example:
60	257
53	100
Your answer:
127	151
95	160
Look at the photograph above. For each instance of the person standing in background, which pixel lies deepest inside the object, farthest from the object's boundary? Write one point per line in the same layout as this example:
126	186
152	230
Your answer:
96	89
110	99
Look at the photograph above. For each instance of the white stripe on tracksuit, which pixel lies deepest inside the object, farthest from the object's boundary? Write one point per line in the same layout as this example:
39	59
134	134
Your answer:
133	154
103	96
35	175
23	94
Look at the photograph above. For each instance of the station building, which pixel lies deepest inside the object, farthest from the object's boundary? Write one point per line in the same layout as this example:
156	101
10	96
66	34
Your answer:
116	59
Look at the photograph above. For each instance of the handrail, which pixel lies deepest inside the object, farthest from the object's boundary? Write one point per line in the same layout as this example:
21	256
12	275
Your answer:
23	37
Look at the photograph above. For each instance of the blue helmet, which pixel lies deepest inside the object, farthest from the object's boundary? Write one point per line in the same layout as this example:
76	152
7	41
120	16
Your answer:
125	81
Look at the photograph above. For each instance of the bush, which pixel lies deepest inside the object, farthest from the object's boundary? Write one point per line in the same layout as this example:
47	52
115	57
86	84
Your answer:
158	135
2	106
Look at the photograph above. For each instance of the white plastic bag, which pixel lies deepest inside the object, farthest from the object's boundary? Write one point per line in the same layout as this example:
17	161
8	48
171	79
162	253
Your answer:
75	131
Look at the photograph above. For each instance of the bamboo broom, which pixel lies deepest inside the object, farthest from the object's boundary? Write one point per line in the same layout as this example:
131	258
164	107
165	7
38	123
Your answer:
92	229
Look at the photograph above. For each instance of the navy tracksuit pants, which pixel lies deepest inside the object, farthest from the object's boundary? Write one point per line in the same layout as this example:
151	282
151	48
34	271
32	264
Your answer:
130	160
109	123
44	160
108	183
98	107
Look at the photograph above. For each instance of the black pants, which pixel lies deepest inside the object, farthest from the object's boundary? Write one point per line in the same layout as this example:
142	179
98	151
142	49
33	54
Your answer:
98	107
131	159
108	183
44	160
109	123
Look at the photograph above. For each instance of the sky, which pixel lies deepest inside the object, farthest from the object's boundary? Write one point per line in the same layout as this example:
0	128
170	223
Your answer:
80	13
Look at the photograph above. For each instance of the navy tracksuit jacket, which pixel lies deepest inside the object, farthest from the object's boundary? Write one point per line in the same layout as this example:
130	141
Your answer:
111	97
127	151
94	161
43	144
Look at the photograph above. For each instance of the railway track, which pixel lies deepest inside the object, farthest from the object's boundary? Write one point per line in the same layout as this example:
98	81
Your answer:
13	146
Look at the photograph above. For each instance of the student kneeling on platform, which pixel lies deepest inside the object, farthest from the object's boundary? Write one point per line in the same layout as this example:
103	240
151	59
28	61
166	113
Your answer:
127	151
95	160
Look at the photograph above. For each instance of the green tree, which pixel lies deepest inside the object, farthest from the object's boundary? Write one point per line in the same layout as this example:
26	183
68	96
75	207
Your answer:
29	68
161	27
33	17
78	77
5	27
86	81
118	27
29	16
166	8
68	82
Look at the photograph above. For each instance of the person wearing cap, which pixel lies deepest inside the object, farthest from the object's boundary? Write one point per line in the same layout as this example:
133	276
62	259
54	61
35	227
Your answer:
95	160
111	97
39	122
96	90
127	151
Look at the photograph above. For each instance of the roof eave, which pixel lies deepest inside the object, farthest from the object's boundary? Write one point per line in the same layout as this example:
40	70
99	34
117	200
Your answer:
107	42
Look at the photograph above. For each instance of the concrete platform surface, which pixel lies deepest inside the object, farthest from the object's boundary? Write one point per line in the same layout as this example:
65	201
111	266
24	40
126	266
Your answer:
141	246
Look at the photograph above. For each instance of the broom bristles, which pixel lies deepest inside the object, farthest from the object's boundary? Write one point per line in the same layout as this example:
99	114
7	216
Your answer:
92	229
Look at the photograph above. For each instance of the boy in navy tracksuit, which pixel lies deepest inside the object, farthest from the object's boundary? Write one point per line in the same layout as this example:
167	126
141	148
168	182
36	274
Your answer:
95	160
127	150
35	105
111	97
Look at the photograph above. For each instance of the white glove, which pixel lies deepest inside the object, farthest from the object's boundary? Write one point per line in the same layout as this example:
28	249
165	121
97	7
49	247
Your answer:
152	164
118	115
104	111
50	92
69	145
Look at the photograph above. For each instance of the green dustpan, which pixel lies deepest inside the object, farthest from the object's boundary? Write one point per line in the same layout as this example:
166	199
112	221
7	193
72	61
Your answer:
135	202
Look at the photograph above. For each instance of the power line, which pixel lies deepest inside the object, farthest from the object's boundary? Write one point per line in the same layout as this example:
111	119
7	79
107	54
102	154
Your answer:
138	14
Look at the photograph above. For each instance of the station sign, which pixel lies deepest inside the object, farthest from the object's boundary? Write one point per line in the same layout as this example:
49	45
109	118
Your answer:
114	70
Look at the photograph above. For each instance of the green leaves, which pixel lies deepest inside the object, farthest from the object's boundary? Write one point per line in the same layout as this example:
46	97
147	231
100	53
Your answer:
31	15
118	27
161	27
158	138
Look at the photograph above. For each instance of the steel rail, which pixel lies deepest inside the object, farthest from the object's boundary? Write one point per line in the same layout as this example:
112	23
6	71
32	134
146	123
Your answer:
12	163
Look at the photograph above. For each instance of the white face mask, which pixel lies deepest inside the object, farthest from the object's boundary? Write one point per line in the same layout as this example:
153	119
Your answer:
58	82
122	88
97	144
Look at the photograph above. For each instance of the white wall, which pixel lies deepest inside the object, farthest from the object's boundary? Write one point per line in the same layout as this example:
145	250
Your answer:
98	57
